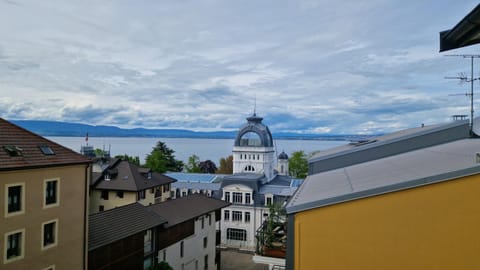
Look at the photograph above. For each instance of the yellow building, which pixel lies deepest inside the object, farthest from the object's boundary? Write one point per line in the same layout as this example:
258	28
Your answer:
44	203
417	209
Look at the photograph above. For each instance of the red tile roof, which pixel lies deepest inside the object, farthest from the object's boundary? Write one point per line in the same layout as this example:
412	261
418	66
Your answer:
31	156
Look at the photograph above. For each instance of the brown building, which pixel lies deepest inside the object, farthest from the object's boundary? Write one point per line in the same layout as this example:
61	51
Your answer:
181	232
44	203
120	182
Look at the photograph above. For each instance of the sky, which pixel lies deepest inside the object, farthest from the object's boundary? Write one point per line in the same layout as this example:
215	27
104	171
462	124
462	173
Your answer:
325	67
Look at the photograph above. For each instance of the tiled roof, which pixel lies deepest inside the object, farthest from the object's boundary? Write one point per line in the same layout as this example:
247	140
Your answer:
109	226
129	177
185	208
30	154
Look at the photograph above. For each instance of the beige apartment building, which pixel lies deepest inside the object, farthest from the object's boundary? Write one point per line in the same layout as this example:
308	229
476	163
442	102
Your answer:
117	182
44	202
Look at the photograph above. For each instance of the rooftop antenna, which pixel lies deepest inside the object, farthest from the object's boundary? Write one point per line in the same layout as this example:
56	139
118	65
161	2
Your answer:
255	106
464	79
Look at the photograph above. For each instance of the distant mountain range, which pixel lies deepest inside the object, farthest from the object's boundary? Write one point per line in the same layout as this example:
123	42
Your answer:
53	128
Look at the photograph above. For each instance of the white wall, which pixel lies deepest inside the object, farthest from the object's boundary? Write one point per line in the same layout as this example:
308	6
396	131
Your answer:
194	251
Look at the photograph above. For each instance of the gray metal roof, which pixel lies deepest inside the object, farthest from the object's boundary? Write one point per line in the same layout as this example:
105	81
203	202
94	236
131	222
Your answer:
112	225
186	208
465	33
388	145
255	125
407	170
193	177
197	185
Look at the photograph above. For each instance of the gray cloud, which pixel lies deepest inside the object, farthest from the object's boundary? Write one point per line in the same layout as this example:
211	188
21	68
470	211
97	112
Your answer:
311	66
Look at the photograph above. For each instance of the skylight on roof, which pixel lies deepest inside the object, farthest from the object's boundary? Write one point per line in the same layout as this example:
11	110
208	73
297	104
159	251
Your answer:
13	150
46	150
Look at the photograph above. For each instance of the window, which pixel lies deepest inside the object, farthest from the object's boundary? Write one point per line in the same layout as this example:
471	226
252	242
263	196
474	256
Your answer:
236	216
166	188
181	249
164	255
248	198
227	196
101	208
205	262
203	222
14	245
209	219
237	197
16	197
141	195
49	233
247	217
226	215
120	194
51	192
205	242
46	150
236	234
269	201
104	194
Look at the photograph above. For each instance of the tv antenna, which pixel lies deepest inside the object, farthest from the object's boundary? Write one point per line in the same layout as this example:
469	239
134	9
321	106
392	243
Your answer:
465	79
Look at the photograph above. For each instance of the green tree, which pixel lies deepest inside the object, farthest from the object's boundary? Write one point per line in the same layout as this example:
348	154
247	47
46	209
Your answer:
135	160
192	165
99	152
298	164
161	159
226	165
161	266
207	166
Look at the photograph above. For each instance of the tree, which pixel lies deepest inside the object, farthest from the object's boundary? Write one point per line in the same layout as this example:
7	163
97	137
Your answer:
226	165
135	160
192	165
207	166
99	152
298	164
161	159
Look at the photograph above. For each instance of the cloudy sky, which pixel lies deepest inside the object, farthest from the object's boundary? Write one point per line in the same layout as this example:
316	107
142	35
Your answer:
312	66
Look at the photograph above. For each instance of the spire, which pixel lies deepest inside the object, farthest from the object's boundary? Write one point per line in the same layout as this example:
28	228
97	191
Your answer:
255	106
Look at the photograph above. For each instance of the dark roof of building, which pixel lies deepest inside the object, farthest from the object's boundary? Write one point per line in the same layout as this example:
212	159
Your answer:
118	223
429	165
22	149
388	145
130	177
283	155
465	33
250	180
186	208
255	125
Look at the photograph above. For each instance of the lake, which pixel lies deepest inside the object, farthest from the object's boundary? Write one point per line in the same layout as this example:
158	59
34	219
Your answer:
212	149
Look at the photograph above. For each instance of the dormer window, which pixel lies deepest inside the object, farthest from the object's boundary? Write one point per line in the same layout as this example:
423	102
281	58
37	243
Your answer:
149	175
46	150
13	150
107	177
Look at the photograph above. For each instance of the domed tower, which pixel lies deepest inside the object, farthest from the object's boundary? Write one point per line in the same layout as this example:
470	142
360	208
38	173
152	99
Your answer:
282	164
253	151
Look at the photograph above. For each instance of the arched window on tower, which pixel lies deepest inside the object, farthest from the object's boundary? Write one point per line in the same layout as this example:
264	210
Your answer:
250	139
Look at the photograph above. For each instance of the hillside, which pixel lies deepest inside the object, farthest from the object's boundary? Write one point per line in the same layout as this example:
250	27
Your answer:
52	128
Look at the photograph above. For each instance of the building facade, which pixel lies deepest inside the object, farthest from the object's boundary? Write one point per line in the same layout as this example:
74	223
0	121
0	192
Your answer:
44	189
411	207
118	182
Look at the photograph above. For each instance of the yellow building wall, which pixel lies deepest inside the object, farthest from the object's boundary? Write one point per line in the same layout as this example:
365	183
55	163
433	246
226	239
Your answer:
70	213
431	227
112	202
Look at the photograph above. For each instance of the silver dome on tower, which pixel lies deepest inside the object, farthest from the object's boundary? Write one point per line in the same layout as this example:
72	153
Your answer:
254	133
